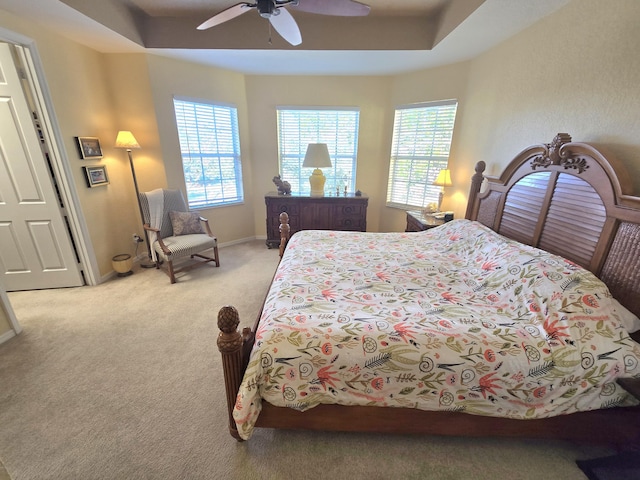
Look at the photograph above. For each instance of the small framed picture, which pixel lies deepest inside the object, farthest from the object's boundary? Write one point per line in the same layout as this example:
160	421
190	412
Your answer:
89	147
96	175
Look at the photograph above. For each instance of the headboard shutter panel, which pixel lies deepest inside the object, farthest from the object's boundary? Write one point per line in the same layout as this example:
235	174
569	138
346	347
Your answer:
522	207
574	220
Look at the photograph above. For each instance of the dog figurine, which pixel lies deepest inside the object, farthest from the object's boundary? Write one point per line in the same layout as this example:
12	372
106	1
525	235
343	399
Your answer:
284	187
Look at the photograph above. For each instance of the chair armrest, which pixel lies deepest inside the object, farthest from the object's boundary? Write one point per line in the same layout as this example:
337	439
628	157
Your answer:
206	227
164	248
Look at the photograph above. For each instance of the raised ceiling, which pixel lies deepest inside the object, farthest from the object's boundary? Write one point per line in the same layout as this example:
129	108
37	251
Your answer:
398	36
397	25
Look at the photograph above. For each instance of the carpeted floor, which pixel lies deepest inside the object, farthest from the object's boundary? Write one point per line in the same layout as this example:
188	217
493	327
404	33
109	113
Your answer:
123	381
3	473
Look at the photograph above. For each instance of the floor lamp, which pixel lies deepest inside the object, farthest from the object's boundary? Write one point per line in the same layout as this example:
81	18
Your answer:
127	140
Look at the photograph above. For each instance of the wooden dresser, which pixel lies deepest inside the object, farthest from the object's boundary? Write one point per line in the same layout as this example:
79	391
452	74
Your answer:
315	213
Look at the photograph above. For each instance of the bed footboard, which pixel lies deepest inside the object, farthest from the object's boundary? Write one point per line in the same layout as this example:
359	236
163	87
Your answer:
233	346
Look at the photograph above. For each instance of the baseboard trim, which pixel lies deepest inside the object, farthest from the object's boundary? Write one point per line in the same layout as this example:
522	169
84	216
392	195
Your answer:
236	242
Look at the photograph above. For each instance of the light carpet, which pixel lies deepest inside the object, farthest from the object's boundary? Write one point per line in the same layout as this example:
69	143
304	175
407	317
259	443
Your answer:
123	381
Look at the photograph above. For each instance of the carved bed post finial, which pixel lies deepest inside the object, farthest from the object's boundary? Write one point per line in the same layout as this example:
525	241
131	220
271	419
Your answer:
284	231
476	184
230	344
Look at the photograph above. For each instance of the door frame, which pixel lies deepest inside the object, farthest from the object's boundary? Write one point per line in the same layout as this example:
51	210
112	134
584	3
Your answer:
58	154
6	307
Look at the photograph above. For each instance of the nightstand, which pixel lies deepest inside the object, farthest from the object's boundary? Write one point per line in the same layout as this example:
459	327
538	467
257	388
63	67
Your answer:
417	221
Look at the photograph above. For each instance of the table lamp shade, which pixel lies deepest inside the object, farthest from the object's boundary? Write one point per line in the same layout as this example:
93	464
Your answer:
126	140
443	179
317	157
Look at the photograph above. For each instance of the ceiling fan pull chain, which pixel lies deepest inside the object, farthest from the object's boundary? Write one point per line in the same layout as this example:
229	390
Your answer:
270	42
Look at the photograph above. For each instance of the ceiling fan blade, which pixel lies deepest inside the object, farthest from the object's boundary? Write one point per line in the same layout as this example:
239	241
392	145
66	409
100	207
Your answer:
228	14
339	8
286	26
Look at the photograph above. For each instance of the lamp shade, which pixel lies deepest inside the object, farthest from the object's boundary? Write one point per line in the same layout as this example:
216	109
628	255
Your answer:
126	140
317	156
443	179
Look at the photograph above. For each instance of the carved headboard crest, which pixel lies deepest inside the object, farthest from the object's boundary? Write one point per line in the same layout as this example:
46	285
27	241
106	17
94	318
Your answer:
555	155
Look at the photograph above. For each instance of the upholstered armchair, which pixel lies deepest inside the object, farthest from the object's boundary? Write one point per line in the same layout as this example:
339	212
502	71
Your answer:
176	233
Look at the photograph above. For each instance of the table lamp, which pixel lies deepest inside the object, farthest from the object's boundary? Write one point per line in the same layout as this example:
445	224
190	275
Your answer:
442	180
317	157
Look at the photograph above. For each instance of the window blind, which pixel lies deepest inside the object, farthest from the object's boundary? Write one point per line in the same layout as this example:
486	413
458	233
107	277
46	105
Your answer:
210	148
338	128
419	150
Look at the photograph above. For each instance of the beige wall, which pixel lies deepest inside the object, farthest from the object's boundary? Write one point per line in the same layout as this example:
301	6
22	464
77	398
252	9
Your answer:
80	81
82	100
442	83
576	72
172	77
370	94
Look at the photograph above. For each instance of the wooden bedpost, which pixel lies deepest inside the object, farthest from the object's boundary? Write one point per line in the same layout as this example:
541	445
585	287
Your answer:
284	231
230	344
476	184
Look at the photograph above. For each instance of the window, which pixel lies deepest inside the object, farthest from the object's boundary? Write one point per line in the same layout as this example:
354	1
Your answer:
338	128
419	150
210	147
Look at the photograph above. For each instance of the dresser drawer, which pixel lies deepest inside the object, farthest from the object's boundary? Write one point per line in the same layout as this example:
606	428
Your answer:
315	213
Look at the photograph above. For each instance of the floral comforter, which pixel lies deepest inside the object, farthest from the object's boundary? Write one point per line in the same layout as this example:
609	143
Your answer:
455	318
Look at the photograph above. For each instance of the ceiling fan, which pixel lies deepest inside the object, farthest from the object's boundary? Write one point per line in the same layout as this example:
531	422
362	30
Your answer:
282	20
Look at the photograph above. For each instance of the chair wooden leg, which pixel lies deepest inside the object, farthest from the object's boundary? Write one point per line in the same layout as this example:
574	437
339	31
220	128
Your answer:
215	255
172	275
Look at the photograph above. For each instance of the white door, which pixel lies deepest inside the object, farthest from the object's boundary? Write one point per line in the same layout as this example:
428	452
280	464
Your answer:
35	247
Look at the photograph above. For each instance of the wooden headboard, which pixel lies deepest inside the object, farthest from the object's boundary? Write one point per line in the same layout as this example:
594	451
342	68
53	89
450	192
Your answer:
569	199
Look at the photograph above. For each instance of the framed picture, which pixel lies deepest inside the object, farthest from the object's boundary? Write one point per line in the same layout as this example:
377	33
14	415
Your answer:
96	175
89	147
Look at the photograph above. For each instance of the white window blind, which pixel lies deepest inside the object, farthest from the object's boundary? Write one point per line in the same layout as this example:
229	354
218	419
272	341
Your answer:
419	150
210	147
338	128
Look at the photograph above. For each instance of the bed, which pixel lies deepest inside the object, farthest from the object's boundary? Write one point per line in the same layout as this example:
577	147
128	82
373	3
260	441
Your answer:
514	321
